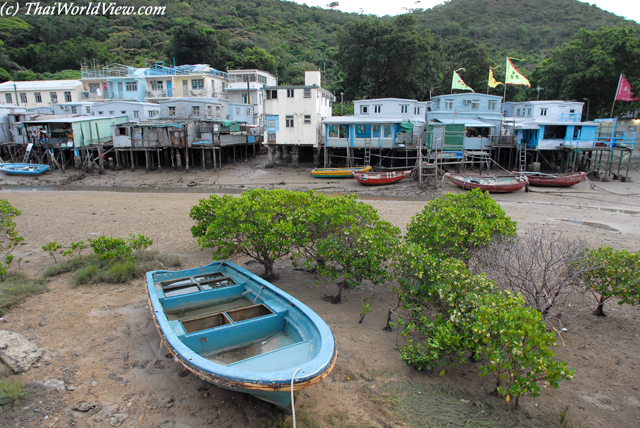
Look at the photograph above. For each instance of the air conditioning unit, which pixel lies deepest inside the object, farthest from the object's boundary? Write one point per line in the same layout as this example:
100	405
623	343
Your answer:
467	101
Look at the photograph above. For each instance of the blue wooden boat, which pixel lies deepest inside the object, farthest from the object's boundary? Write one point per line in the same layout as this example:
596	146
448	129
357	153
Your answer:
236	330
23	168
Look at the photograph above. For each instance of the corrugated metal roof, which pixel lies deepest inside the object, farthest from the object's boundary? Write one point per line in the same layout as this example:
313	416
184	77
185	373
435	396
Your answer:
42	85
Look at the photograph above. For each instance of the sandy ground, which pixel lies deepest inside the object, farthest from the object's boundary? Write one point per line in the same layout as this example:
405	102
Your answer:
101	342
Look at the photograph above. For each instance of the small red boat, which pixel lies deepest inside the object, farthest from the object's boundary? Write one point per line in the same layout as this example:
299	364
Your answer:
378	178
554	180
489	183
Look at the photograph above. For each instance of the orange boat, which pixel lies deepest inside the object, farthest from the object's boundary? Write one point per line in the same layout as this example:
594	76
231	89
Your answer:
379	178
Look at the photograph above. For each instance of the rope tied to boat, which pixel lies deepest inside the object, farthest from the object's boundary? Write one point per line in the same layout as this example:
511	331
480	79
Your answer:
293	407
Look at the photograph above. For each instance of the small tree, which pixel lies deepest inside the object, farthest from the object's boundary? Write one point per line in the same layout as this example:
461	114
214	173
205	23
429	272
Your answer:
453	315
542	266
52	247
358	253
613	273
259	223
515	346
458	225
9	237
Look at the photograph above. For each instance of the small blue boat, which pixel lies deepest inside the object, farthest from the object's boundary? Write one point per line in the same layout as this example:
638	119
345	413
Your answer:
236	330
23	168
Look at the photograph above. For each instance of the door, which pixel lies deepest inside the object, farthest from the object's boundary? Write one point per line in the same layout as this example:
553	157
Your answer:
120	92
169	90
185	88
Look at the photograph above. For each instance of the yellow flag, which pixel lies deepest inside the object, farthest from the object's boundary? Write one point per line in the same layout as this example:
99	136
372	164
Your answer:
513	76
458	83
492	83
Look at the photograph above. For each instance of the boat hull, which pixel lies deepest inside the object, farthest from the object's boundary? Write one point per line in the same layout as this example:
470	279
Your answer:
338	172
380	178
554	180
23	168
491	184
245	335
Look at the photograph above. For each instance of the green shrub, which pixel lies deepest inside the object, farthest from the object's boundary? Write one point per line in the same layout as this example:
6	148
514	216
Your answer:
12	391
88	275
613	274
9	237
458	225
453	315
16	288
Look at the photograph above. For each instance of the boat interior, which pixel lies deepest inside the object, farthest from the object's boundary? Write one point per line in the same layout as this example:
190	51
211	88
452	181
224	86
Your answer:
228	319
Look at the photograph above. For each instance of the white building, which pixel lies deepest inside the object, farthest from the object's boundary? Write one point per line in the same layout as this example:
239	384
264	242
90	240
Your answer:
135	111
247	87
8	115
40	93
78	108
293	117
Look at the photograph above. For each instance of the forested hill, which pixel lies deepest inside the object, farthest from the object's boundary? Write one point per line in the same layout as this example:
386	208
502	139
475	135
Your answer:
518	27
278	36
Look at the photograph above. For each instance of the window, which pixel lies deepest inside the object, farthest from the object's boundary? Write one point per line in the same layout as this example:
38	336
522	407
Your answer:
209	111
224	86
67	97
153	113
197	83
172	111
272	94
9	98
289	93
87	109
448	104
543	112
100	113
404	108
518	112
74	109
271	137
123	112
122	131
23	97
416	110
492	105
132	86
377	108
387	131
364	109
307	93
307	118
289	121
271	123
136	114
111	112
54	97
195	110
333	131
156	85
38	97
376	130
475	105
248	112
529	111
237	111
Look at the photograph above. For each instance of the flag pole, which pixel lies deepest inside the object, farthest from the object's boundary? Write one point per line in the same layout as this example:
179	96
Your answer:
616	97
504	97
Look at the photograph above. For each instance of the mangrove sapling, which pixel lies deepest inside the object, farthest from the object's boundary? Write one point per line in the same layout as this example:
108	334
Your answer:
612	273
365	308
261	224
52	247
459	225
9	237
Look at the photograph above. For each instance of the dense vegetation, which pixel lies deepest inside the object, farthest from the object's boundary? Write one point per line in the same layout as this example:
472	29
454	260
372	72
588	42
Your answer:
363	56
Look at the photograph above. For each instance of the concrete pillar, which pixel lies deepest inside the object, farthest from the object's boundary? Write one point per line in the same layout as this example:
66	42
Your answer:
316	156
279	152
295	155
271	155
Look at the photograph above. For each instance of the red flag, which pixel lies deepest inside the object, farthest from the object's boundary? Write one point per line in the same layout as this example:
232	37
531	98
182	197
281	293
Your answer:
624	91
